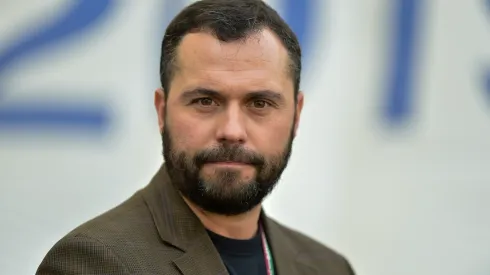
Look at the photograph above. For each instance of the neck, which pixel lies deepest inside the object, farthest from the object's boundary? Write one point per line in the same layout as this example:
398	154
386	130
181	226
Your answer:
241	227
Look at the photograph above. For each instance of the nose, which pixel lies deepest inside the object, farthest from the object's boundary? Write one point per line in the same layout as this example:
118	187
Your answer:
231	127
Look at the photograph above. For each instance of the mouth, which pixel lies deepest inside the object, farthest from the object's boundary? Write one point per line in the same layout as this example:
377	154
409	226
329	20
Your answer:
228	164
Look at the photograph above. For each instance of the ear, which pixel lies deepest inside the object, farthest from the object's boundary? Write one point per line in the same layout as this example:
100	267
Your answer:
299	107
159	102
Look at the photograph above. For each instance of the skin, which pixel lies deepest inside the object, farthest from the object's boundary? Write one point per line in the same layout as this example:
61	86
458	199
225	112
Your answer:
236	92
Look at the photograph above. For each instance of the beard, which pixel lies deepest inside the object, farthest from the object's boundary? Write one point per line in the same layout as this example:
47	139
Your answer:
224	192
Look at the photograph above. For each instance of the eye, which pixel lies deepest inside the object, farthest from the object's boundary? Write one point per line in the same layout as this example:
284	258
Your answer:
204	101
260	104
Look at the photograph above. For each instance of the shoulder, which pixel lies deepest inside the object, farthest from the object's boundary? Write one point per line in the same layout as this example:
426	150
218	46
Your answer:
124	218
99	244
81	254
312	250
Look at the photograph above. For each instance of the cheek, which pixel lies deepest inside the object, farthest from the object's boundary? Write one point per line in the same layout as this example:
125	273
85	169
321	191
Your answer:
274	137
187	135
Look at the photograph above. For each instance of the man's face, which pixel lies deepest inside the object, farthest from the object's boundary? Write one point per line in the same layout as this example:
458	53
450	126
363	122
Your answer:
229	120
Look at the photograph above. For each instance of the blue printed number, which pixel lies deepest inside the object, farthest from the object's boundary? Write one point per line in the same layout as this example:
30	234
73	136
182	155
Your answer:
398	107
400	91
487	78
299	16
51	113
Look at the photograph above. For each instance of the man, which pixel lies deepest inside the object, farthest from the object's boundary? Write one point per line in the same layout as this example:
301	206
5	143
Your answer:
228	111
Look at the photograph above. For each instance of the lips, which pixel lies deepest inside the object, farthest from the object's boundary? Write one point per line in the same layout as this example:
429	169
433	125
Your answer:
229	163
228	155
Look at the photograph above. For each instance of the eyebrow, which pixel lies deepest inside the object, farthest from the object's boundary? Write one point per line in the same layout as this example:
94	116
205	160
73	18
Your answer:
269	94
200	92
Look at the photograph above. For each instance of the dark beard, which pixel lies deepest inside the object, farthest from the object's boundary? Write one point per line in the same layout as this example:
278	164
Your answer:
225	194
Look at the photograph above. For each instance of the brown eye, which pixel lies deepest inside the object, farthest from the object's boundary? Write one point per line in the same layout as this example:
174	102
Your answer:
259	104
205	101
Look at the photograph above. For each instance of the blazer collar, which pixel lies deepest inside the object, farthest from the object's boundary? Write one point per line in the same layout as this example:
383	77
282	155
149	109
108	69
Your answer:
178	226
288	259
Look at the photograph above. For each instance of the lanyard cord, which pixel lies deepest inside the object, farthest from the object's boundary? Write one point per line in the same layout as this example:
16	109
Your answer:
267	253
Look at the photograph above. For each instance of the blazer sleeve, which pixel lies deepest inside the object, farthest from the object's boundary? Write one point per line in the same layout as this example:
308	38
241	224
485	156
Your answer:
81	255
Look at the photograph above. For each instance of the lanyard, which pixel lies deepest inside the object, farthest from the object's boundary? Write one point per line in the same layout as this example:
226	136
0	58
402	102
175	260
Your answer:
267	253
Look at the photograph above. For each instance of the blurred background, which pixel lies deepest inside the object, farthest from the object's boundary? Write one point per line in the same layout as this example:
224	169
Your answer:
391	166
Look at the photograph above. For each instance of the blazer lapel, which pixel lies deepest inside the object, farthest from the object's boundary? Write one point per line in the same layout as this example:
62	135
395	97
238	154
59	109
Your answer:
201	258
178	226
287	259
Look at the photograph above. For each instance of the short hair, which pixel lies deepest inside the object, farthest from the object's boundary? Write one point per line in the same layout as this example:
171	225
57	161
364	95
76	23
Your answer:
227	20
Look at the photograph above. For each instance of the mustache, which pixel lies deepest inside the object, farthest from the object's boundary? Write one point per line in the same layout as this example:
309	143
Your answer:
229	153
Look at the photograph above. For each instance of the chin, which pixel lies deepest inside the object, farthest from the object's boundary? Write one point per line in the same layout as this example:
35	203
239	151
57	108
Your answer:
234	175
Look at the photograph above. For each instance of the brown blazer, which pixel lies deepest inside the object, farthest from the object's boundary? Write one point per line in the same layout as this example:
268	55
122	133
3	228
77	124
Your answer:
155	232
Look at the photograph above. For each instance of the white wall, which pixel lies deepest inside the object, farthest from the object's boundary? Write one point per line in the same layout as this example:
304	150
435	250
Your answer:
402	201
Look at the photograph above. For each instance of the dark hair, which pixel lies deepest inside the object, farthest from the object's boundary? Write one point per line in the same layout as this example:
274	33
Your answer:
227	20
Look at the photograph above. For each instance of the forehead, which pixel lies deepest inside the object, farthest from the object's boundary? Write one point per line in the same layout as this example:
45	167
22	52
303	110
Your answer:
258	62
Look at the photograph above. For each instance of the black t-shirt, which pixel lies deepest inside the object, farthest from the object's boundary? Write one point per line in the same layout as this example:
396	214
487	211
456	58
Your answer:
241	257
